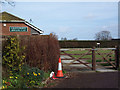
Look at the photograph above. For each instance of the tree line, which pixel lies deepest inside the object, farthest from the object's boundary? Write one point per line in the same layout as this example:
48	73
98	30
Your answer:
102	35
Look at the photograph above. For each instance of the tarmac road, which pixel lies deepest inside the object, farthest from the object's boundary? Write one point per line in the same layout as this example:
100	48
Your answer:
91	80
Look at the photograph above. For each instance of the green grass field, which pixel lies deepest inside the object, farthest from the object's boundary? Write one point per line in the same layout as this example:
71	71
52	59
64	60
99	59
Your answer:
98	57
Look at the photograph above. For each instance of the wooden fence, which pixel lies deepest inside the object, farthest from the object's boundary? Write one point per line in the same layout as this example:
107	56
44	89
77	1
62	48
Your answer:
111	57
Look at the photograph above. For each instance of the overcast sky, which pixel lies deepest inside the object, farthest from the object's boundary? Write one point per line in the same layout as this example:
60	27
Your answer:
79	20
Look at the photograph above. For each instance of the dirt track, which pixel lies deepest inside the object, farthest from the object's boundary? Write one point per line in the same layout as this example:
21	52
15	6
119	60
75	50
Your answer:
90	80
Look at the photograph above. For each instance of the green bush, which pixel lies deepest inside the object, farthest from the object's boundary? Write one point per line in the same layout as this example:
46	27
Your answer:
14	81
27	78
33	75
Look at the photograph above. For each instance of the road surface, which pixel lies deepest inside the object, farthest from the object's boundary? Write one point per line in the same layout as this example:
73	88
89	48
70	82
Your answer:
91	80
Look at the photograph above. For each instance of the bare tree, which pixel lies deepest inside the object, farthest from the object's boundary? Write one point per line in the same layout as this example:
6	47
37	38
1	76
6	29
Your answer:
75	39
103	35
9	2
64	38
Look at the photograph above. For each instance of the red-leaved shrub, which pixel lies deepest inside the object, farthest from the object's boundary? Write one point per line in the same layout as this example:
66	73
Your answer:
41	51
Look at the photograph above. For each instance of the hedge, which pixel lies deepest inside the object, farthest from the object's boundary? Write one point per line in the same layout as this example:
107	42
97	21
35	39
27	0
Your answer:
88	44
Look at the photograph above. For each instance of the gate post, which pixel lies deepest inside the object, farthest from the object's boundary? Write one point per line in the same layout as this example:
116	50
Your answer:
93	59
117	57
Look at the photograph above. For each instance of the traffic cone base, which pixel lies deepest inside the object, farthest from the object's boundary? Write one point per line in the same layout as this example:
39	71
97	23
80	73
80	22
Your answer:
59	73
61	77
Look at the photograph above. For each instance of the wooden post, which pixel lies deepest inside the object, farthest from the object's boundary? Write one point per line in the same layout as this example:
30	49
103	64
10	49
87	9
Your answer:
117	57
93	59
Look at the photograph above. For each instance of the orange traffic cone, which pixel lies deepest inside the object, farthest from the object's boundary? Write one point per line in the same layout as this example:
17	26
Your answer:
59	73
